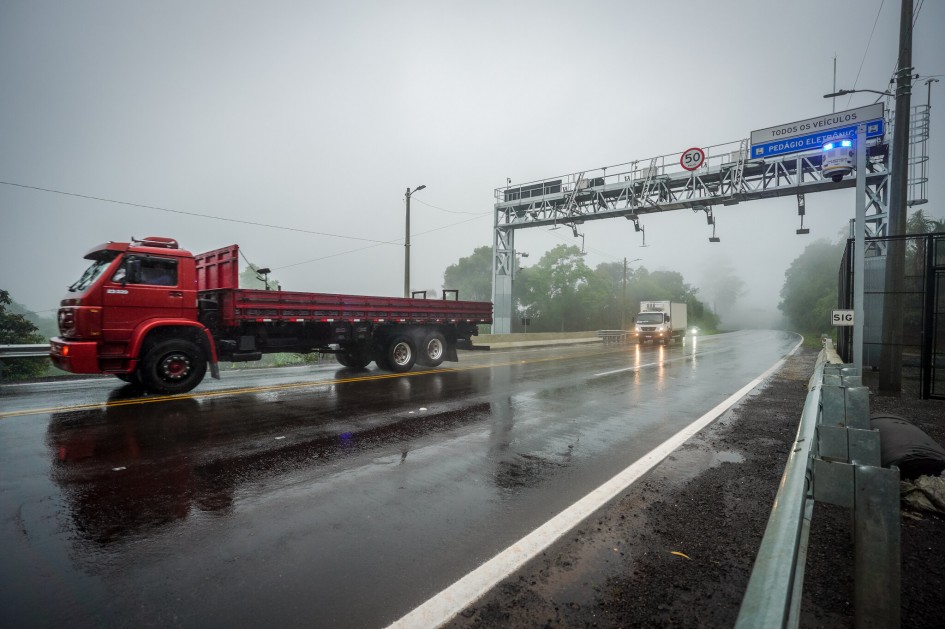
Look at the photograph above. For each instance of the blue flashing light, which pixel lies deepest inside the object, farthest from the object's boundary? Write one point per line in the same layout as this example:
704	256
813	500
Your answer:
846	143
828	146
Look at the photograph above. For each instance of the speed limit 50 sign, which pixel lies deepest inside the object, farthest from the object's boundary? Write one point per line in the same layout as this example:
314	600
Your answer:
692	158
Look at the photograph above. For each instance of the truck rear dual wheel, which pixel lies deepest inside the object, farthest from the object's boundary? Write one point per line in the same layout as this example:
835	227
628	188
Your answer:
433	350
174	366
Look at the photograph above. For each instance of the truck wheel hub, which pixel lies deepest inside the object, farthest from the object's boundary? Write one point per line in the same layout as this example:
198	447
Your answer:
175	366
401	354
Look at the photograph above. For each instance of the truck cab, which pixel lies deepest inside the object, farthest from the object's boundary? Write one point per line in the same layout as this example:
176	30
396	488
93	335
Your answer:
652	326
128	297
660	321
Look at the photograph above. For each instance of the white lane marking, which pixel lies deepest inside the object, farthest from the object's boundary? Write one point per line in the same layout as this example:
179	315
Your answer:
634	368
657	363
442	607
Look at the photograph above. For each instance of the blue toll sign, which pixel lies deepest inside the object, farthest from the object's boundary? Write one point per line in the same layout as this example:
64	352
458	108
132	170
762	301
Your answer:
813	141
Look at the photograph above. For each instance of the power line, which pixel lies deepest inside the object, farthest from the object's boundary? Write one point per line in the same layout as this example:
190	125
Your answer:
416	200
342	253
915	18
377	243
332	255
875	22
197	214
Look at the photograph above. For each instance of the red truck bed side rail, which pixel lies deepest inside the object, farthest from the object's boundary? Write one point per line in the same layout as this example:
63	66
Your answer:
265	306
218	271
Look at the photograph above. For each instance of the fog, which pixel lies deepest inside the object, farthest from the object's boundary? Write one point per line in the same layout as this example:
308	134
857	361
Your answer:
301	124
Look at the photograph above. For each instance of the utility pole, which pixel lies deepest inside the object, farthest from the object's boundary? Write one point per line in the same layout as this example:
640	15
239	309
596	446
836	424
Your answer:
834	109
623	302
890	362
407	243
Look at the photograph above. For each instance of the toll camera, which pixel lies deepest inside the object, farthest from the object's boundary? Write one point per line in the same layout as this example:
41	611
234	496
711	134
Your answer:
838	158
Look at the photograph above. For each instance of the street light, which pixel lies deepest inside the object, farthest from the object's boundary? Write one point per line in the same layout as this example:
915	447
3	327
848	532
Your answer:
623	308
407	243
845	92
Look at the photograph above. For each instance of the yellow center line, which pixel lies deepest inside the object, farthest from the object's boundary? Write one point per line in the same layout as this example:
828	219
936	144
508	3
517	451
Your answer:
276	387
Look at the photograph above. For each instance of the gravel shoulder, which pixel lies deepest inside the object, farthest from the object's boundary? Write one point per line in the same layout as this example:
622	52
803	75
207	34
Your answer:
677	548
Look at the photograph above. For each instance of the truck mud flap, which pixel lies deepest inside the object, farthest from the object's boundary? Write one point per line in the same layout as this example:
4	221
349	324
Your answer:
467	345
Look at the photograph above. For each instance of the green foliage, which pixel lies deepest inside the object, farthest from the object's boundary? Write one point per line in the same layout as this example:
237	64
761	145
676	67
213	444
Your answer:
249	278
471	276
810	287
556	292
46	326
560	293
16	329
921	223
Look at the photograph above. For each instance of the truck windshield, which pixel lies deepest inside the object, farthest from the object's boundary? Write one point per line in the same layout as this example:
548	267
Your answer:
650	317
100	261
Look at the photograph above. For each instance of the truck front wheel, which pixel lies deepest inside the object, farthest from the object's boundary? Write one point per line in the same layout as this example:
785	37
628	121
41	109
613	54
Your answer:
174	366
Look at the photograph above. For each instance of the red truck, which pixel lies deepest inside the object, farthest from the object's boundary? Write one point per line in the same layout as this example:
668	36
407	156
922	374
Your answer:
152	313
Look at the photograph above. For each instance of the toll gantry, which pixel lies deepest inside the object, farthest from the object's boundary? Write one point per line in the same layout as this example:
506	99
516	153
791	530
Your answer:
697	179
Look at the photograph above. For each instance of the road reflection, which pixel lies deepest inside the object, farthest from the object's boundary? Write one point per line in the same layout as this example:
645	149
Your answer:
134	467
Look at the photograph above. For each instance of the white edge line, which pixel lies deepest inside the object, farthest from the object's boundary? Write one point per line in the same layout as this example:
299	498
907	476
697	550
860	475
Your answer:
442	607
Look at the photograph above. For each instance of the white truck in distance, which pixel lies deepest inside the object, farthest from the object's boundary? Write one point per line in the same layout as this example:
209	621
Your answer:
660	321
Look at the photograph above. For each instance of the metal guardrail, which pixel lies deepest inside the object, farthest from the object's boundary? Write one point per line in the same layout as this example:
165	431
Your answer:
613	337
836	460
37	350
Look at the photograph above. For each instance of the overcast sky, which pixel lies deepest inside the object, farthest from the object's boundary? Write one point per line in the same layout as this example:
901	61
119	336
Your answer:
318	116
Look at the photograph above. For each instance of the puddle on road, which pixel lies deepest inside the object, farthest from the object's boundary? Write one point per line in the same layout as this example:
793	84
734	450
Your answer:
684	465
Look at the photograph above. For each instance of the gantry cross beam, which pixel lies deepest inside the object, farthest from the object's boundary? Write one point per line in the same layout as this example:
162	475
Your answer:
636	189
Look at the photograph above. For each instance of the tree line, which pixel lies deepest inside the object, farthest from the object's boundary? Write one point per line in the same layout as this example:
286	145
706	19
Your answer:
810	290
561	293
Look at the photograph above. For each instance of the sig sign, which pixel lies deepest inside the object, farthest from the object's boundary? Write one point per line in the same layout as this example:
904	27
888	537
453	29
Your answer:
842	317
692	158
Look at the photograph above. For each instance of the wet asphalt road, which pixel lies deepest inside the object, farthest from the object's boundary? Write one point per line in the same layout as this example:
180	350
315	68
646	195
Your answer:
317	496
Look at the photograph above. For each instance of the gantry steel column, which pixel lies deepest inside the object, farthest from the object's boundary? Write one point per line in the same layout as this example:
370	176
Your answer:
503	264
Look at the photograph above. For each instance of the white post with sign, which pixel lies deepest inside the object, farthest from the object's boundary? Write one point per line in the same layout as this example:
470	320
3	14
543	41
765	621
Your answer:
859	257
